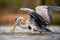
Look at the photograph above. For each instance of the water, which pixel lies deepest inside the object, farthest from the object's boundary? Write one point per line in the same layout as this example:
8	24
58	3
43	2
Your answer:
25	34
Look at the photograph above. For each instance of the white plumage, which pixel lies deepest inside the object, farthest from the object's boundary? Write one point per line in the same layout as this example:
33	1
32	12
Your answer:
43	11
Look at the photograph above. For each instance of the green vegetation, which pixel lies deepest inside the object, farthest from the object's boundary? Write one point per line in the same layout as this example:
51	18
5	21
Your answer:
56	19
52	2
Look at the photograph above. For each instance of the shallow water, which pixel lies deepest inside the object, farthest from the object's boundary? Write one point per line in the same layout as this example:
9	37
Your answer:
21	34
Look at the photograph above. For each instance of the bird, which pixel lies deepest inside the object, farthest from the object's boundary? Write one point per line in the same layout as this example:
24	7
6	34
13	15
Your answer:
42	15
39	18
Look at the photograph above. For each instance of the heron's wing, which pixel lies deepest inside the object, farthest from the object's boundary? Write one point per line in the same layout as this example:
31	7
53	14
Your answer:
51	9
29	11
43	11
55	8
33	14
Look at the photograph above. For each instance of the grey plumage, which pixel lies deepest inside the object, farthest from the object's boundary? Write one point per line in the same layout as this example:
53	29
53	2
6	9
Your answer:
47	12
51	10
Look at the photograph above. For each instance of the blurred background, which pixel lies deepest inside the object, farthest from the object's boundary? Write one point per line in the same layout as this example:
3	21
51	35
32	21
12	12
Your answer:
10	9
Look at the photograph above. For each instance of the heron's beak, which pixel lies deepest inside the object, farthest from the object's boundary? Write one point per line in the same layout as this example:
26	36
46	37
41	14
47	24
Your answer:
14	26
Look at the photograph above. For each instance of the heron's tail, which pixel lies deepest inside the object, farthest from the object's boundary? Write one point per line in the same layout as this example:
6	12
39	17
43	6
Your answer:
48	30
44	28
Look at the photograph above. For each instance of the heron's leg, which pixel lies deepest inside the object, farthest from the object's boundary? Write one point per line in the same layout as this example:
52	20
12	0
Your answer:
14	27
26	25
32	30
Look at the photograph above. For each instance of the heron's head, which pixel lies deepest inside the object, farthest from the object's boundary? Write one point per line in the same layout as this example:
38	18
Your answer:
18	21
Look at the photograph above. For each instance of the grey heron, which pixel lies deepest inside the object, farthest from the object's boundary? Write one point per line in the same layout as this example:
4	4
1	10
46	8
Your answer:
39	18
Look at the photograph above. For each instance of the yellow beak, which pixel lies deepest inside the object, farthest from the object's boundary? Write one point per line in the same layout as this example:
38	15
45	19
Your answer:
14	26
